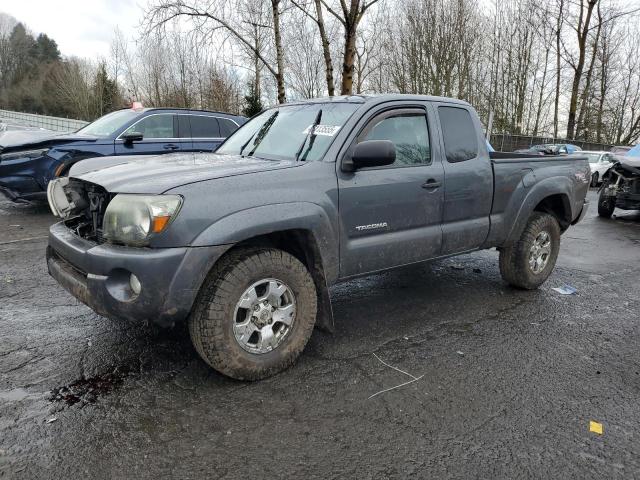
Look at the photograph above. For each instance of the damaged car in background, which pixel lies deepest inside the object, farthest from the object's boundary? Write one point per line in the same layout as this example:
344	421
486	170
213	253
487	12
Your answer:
620	186
30	160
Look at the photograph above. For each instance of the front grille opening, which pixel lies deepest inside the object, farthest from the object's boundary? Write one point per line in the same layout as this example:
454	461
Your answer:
90	202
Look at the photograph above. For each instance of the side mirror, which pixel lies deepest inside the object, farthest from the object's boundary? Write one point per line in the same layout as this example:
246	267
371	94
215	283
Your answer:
370	153
131	137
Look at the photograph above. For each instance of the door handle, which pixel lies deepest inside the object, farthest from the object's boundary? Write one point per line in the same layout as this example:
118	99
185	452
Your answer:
431	184
170	146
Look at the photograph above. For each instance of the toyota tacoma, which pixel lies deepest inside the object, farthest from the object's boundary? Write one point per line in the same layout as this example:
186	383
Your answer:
244	243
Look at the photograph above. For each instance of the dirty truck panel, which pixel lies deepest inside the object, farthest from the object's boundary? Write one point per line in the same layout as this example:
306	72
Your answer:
244	243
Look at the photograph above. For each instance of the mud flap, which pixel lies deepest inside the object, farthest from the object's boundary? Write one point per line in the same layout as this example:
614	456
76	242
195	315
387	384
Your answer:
324	317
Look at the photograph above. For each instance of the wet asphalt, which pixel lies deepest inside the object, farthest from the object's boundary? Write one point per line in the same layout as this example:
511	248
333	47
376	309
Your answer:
508	381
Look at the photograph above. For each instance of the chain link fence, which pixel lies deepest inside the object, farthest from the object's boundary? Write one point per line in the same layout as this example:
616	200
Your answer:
57	124
505	142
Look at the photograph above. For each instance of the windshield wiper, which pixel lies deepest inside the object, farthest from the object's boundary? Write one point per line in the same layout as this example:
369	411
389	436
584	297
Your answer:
311	133
260	134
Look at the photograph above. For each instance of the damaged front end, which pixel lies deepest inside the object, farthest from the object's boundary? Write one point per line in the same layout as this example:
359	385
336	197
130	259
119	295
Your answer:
80	204
620	187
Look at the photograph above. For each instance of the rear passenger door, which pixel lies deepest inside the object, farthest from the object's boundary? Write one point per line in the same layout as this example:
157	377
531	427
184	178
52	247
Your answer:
468	191
390	216
159	135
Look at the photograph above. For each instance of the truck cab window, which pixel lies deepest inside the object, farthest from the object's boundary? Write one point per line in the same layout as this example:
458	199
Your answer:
409	134
459	134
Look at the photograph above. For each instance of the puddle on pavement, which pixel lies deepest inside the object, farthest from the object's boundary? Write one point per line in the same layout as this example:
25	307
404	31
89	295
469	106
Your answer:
88	390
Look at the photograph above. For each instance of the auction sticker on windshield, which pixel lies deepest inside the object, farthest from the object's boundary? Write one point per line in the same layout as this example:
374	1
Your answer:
324	130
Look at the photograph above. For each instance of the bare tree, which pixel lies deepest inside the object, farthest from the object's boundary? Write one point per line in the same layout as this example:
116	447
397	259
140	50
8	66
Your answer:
318	18
350	15
209	17
582	30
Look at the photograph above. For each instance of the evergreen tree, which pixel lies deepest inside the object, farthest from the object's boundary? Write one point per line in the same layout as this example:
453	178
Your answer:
253	102
46	49
106	91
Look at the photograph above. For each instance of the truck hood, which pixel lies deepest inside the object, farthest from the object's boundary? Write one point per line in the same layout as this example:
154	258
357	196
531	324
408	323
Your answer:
159	173
16	140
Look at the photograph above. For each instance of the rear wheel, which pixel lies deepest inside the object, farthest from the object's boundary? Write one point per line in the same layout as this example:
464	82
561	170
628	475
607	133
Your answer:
595	178
529	262
255	313
606	204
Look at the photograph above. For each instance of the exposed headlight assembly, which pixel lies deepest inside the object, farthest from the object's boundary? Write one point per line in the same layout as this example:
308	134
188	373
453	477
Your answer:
133	219
24	154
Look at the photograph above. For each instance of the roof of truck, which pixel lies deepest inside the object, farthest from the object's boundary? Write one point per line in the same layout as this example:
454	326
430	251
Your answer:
385	97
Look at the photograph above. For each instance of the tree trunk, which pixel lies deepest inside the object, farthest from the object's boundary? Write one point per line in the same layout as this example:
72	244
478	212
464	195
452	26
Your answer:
326	51
583	32
348	64
587	86
282	97
556	102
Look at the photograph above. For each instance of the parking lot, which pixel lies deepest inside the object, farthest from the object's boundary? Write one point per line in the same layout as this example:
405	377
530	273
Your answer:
508	380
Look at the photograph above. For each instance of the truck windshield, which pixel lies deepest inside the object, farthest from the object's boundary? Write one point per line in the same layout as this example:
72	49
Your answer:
278	133
109	124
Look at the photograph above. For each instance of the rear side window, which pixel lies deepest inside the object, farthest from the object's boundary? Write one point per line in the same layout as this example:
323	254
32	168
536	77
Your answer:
459	134
227	127
184	129
204	127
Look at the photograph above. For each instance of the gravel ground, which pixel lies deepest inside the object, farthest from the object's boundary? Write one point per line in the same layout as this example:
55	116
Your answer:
508	380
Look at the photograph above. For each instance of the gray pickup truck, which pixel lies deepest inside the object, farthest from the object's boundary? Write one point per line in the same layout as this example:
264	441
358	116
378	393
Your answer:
244	243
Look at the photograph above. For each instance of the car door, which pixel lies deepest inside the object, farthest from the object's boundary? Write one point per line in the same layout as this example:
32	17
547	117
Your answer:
159	135
468	192
205	133
390	216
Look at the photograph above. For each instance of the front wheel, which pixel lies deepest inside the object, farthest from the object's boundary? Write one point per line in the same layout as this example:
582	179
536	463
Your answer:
254	314
528	263
606	204
595	178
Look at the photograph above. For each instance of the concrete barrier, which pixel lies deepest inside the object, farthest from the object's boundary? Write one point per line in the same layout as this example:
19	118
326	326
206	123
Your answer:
57	124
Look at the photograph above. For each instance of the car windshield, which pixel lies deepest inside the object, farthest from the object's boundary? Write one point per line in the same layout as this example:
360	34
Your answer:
593	157
109	124
284	133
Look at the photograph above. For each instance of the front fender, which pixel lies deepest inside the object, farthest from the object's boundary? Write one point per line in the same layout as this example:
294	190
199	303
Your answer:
277	217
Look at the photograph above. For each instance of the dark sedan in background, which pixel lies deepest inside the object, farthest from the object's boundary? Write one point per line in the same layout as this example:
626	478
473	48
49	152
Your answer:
29	160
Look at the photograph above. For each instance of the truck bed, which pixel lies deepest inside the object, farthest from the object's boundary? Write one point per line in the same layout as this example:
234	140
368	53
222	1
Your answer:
514	176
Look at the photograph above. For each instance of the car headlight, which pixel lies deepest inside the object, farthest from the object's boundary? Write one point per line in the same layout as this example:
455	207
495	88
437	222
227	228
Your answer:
134	219
24	154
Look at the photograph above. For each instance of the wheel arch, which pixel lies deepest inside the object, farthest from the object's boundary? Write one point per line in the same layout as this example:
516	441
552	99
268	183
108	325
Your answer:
309	241
551	196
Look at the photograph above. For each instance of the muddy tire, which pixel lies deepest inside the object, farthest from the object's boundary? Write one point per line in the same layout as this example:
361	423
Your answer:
606	205
528	263
254	313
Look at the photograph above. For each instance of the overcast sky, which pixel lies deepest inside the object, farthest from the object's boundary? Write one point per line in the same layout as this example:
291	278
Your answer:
80	27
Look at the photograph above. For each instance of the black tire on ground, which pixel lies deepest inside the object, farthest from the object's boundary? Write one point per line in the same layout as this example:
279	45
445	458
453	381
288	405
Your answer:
211	323
514	260
595	178
606	204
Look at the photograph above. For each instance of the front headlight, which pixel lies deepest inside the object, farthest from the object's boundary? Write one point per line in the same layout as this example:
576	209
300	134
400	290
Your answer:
133	219
24	154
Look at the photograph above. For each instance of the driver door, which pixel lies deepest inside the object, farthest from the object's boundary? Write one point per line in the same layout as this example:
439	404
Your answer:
391	215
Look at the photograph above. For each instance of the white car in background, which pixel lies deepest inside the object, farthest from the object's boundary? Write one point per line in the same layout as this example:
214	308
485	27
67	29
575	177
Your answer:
599	163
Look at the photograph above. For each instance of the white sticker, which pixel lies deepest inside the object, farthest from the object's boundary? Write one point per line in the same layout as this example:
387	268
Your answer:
324	130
